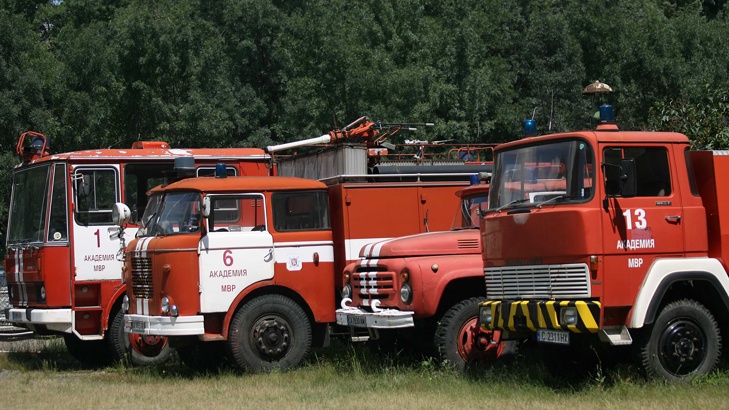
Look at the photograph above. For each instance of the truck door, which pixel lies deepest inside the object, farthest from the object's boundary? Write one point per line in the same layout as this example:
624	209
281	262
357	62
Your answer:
638	229
96	242
236	252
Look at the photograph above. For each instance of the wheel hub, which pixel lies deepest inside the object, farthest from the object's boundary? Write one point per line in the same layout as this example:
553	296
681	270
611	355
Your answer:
146	345
682	347
474	344
271	337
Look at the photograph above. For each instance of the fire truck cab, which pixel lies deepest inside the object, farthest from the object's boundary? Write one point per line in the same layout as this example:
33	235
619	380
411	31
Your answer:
427	287
64	251
609	238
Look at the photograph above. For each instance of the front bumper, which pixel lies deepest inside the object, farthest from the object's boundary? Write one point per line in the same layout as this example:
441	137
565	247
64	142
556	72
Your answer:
381	319
60	320
164	325
530	315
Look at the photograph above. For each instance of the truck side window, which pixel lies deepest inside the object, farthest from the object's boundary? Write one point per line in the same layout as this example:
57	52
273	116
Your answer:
651	168
95	200
140	178
237	214
58	228
300	211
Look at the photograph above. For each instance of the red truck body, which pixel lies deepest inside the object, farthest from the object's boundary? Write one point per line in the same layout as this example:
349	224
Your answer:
609	238
63	261
214	272
432	282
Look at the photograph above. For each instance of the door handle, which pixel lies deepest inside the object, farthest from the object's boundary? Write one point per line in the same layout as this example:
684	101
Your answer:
673	219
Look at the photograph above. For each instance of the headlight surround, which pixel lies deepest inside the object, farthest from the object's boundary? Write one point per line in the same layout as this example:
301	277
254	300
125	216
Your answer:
406	293
484	316
165	305
125	304
568	316
347	292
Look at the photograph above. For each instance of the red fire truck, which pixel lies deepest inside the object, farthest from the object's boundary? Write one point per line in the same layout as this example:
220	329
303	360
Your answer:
250	266
432	283
64	253
599	239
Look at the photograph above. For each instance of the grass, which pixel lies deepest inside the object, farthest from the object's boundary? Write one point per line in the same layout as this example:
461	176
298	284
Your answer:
344	376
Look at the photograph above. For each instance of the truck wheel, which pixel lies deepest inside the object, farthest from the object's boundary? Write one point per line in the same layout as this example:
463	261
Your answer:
203	357
459	341
140	350
94	353
683	343
269	332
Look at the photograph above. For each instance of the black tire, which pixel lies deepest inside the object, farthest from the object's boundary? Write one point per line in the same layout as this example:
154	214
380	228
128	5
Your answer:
683	343
459	343
203	357
92	353
269	332
138	350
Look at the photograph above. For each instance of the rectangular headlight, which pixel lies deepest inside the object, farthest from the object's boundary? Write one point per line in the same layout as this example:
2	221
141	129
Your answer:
568	315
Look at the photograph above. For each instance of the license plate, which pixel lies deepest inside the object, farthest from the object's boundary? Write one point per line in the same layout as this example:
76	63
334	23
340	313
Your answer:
356	320
16	316
559	337
137	325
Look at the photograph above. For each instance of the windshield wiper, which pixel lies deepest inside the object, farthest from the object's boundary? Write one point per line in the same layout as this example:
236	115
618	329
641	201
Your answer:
514	202
557	198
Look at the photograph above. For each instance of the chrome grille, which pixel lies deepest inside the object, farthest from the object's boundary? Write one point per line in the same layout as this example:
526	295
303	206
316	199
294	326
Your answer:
142	277
538	281
373	282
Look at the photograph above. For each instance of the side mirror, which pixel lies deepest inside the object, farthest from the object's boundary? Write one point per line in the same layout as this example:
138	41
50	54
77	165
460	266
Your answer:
120	214
206	207
82	185
628	179
620	179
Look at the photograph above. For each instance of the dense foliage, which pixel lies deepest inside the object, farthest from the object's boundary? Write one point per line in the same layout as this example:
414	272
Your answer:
91	73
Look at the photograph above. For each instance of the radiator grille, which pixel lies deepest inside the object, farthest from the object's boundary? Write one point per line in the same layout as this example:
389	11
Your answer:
142	277
373	282
538	281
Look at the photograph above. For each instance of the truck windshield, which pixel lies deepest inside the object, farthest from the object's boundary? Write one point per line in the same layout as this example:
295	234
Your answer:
28	206
533	175
170	214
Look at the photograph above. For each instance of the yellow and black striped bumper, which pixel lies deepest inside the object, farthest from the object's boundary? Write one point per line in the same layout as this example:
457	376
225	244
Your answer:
530	315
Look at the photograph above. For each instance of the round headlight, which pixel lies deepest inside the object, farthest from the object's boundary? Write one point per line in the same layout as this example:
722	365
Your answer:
174	311
406	293
347	292
125	304
165	305
43	293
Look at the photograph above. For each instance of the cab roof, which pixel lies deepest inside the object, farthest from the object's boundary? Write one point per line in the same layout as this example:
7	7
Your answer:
241	184
605	134
151	154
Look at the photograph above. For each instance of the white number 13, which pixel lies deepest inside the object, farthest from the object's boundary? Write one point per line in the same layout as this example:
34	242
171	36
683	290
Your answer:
640	222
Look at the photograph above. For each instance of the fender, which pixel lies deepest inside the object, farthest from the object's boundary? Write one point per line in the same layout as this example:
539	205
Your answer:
116	297
238	301
663	273
464	267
